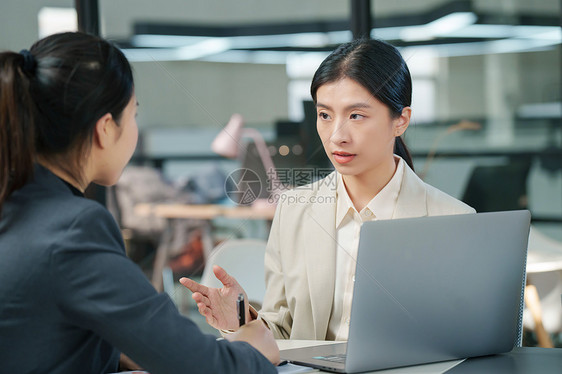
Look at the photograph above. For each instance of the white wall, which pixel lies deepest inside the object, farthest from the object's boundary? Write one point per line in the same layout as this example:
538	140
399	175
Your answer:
118	16
173	94
260	91
205	94
541	79
18	21
463	90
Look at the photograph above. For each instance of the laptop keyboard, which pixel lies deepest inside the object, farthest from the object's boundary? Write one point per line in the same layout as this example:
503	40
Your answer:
332	358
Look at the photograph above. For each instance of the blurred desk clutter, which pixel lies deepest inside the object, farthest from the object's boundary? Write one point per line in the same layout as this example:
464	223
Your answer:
173	213
183	225
228	144
275	165
144	184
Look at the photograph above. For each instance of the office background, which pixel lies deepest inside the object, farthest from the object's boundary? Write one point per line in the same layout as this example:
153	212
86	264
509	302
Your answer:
493	63
487	123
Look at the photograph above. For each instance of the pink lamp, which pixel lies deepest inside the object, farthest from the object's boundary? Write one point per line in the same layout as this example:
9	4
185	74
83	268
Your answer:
227	144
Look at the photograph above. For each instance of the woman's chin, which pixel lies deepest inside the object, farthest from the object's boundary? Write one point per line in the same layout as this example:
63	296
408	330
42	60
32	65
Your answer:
344	169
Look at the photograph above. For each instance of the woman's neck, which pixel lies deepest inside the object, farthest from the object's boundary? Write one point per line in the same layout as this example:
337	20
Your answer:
362	188
62	174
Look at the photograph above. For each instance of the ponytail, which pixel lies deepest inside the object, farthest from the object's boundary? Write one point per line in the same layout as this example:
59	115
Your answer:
50	100
17	130
401	150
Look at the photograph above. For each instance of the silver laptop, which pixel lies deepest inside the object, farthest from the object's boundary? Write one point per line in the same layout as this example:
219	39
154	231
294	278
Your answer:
431	289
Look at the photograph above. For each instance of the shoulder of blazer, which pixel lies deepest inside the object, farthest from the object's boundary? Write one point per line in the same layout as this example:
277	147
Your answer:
439	202
48	195
418	198
48	207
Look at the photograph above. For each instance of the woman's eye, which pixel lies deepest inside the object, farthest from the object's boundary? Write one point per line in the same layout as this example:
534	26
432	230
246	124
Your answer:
323	116
356	116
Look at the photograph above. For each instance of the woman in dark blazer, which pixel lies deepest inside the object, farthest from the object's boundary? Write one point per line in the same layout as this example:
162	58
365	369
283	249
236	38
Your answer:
70	299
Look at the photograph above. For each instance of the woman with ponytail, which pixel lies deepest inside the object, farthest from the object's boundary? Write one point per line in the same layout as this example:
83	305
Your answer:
363	93
70	299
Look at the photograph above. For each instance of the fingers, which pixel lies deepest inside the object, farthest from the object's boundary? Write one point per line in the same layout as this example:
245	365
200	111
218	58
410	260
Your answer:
204	310
223	277
203	304
194	286
199	298
207	313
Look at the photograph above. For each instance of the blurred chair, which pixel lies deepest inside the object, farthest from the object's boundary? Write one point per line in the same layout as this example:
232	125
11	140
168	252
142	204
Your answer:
244	260
463	125
498	187
543	293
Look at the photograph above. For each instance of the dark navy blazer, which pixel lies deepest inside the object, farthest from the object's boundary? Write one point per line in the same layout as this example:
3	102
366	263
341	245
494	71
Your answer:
70	299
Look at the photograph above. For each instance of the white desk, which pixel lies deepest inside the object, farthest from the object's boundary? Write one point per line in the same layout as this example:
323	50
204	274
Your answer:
522	360
439	367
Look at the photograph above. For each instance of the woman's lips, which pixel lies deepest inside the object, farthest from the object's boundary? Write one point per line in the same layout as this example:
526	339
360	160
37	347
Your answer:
343	157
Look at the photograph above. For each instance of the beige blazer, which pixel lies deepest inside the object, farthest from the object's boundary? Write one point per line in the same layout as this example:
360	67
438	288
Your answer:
300	259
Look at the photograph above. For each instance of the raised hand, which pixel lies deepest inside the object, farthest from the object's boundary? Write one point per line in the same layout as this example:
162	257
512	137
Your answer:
218	305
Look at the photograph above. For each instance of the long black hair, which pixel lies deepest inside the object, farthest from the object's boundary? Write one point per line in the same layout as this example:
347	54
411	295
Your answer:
377	66
50	100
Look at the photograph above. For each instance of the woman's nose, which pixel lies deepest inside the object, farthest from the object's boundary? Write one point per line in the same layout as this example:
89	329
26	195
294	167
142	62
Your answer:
340	133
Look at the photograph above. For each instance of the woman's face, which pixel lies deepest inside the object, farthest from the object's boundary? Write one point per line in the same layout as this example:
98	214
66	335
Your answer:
356	129
121	147
130	132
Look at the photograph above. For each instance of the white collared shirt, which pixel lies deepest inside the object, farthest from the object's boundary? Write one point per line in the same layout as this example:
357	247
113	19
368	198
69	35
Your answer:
348	225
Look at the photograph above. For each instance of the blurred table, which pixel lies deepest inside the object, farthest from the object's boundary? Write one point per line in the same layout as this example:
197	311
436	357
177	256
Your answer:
210	211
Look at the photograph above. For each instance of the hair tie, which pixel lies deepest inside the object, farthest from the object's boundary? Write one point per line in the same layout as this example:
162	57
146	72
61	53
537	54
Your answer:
29	62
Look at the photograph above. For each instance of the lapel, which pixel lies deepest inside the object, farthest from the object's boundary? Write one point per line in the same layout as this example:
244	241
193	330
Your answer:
412	199
320	225
320	221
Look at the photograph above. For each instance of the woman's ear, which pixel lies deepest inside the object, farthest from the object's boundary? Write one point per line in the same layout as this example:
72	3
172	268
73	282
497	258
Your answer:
104	132
401	123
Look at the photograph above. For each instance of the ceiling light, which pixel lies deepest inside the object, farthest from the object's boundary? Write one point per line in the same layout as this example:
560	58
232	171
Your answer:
55	20
440	27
